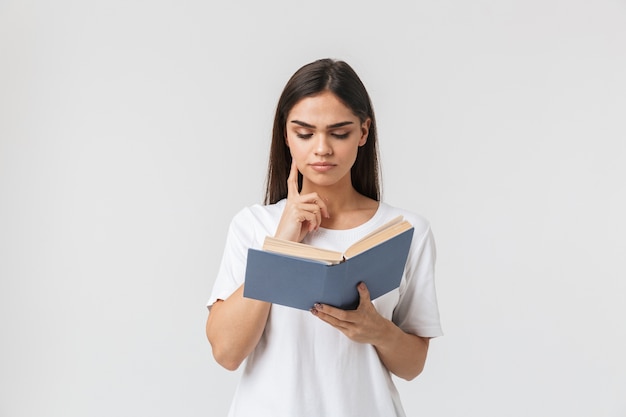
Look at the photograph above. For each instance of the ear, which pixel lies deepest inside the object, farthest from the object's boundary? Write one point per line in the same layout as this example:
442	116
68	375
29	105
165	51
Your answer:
365	131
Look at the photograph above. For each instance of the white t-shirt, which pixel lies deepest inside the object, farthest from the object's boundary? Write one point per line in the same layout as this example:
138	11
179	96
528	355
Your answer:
302	366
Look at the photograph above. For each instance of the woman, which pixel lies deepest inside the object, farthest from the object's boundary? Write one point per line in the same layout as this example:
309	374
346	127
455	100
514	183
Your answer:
323	190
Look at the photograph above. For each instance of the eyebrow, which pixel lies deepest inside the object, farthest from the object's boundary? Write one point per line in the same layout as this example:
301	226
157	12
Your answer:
333	126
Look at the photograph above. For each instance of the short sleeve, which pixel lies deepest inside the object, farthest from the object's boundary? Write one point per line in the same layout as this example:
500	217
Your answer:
247	229
232	268
417	311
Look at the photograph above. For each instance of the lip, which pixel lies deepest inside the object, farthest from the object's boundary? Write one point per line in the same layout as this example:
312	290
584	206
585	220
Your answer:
321	166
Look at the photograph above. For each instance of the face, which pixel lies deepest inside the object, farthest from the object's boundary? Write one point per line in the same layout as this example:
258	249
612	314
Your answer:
323	136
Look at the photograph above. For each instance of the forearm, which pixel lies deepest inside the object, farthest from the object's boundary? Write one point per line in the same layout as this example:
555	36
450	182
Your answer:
234	327
403	354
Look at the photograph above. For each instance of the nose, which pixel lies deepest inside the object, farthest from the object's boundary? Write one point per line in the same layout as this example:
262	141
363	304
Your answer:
322	146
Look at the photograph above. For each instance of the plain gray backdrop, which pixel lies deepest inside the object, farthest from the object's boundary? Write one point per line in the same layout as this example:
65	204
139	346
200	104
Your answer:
132	131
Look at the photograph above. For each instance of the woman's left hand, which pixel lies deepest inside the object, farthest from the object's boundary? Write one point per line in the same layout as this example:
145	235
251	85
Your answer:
402	353
363	325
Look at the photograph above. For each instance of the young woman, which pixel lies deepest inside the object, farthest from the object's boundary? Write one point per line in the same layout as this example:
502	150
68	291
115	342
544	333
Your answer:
322	189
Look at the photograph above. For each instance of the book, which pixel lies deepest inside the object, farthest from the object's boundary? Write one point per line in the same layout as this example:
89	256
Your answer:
299	275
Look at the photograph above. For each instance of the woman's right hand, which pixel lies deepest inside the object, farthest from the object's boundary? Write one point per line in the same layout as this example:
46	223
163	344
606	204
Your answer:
302	214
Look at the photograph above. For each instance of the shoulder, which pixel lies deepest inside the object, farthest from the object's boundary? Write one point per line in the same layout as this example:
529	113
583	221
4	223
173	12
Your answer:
260	212
258	218
419	222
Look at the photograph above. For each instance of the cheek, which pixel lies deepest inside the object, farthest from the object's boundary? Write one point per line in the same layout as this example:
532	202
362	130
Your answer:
291	140
295	148
350	152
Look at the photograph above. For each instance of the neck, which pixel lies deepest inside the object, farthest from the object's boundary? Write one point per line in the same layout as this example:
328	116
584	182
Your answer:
347	208
338	197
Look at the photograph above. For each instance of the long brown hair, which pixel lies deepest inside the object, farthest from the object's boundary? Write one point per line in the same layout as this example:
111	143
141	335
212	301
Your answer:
311	79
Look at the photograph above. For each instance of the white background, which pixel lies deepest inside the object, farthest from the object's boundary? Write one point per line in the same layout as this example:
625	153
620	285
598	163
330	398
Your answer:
132	131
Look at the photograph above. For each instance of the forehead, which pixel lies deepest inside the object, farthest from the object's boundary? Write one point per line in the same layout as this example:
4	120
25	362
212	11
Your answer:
324	107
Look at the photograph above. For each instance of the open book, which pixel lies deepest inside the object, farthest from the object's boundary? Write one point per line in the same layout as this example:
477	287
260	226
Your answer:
299	275
302	250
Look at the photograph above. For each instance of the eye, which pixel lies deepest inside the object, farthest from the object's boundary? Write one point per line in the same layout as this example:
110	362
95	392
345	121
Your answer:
341	135
304	135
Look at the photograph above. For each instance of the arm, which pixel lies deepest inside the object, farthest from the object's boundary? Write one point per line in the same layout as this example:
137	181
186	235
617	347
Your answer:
303	213
234	327
402	353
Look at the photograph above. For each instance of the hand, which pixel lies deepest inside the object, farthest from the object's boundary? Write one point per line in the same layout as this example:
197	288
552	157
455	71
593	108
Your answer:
302	214
363	325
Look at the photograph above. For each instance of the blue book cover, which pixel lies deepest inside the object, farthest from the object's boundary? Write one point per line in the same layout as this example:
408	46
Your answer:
300	283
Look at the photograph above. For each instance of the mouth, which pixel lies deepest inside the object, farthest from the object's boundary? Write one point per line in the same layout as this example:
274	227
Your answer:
321	166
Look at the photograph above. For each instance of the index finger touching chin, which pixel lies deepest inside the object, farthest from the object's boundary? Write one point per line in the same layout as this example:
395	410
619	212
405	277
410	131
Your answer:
292	180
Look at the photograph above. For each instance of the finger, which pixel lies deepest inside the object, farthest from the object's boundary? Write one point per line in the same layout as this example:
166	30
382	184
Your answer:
332	315
292	180
337	324
315	210
323	208
316	199
311	220
364	294
307	217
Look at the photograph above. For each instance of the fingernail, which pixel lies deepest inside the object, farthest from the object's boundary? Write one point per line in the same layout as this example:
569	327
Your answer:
313	311
317	306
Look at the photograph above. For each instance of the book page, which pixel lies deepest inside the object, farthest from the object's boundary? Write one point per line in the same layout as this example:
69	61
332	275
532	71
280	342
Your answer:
381	228
382	234
301	250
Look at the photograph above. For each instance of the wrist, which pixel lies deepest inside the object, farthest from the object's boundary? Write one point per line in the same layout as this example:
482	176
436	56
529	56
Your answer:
387	335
